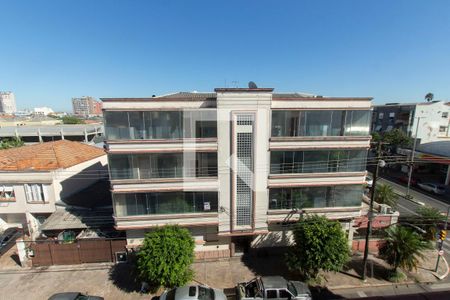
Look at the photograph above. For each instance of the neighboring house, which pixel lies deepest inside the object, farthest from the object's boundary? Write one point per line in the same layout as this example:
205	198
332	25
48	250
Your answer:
34	178
431	119
236	166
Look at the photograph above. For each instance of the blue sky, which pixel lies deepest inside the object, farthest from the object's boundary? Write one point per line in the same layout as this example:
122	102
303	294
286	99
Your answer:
392	50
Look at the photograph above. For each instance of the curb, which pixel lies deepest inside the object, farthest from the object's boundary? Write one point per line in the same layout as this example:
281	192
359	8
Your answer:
29	270
412	200
410	282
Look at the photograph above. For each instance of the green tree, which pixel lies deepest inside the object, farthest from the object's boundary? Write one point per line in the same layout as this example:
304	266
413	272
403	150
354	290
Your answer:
11	143
429	219
385	194
396	138
166	256
71	120
429	97
320	244
403	248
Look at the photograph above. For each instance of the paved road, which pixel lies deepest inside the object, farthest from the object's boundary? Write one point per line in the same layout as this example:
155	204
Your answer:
400	289
407	207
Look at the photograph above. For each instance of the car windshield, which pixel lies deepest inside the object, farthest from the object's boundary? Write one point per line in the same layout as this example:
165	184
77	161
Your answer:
291	288
205	293
171	294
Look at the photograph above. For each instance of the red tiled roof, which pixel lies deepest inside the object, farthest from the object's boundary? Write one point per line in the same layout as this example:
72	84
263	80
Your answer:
47	156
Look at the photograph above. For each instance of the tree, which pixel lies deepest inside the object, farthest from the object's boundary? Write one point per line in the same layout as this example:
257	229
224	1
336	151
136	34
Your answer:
71	120
429	219
166	256
320	244
396	138
11	143
385	194
403	248
429	97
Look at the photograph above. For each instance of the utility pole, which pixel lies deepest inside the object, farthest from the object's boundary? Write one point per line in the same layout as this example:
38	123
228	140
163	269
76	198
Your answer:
380	163
441	243
411	164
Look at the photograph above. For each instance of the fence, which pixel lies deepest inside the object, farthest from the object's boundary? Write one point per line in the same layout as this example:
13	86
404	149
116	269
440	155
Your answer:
47	253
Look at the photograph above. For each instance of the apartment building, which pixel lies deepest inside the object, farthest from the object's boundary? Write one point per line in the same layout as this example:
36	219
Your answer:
7	103
236	167
428	121
86	106
35	178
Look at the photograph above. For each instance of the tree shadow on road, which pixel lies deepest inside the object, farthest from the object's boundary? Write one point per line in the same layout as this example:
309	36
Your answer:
124	276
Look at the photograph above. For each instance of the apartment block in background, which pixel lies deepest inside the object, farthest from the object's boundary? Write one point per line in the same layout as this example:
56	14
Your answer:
433	118
35	178
238	166
7	103
86	106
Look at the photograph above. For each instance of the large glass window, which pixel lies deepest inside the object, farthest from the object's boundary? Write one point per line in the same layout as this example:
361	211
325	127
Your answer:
317	161
320	122
162	165
164	203
138	125
315	197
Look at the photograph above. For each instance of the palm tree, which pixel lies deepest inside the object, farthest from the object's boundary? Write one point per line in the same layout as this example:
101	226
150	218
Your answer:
385	194
403	248
429	97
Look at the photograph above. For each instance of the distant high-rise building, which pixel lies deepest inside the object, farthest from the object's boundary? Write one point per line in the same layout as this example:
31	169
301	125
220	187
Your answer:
7	103
86	106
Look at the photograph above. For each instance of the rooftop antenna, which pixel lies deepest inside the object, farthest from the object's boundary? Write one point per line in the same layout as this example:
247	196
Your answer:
252	85
235	83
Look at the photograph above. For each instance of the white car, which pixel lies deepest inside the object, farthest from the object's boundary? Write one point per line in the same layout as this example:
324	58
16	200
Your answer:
432	187
193	292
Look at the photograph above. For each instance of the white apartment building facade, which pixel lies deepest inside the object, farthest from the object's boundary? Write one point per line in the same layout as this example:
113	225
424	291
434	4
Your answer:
236	167
86	106
7	103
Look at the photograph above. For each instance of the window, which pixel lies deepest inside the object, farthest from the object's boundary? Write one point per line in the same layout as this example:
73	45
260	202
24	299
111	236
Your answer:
284	294
205	293
392	115
445	114
163	165
138	125
442	128
132	204
315	197
34	192
381	116
271	294
320	122
319	161
7	193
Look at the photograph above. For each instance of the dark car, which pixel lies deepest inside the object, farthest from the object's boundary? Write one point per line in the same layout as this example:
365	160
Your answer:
8	236
404	179
73	296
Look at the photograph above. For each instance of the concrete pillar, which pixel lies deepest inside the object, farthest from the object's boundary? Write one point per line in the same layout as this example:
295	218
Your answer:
40	136
85	135
447	179
22	252
351	231
62	134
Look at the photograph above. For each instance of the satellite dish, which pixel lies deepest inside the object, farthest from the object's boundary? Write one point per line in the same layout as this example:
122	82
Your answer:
252	85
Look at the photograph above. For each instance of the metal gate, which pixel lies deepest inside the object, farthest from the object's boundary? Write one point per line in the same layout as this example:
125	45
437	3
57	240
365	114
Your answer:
47	253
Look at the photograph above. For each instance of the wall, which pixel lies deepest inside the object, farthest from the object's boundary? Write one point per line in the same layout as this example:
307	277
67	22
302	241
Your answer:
430	120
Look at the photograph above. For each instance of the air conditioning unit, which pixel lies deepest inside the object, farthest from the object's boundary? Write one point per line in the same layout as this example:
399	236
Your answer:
385	209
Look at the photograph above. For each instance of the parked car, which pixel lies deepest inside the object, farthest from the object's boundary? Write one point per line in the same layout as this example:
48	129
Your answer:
414	181
432	187
8	236
273	287
193	292
74	296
